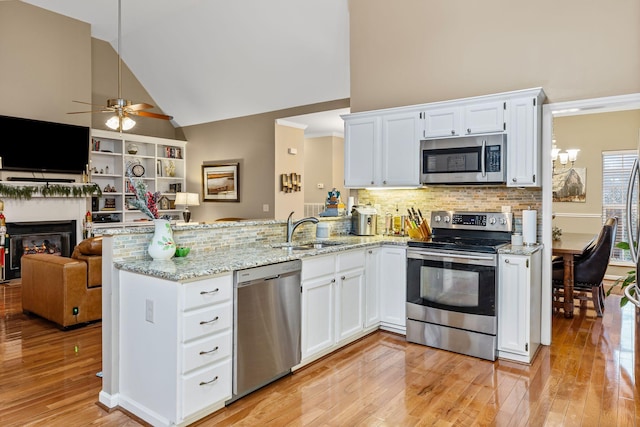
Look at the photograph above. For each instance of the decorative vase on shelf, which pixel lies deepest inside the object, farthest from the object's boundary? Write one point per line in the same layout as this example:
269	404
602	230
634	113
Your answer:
162	245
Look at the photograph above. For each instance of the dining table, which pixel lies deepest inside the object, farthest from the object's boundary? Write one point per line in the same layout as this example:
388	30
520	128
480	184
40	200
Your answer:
567	246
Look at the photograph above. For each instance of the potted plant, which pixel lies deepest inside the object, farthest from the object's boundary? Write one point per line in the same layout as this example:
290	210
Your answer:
624	281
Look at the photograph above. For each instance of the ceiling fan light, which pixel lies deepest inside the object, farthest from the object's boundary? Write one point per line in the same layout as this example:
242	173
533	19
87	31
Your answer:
113	122
128	123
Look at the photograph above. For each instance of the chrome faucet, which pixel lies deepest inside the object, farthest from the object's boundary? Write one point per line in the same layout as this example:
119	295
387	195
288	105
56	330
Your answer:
291	227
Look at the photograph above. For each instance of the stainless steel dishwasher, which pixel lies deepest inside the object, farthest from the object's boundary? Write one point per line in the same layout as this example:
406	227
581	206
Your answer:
267	324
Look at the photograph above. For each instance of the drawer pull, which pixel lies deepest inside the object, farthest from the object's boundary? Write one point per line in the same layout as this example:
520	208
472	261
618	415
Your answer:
209	382
209	352
206	322
210	292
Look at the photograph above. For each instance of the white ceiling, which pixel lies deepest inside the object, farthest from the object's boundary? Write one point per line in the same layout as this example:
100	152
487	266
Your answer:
209	60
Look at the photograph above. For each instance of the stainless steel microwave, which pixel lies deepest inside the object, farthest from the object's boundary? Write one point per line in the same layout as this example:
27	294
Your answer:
467	160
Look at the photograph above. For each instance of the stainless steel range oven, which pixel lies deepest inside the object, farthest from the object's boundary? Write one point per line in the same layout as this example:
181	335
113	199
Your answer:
452	282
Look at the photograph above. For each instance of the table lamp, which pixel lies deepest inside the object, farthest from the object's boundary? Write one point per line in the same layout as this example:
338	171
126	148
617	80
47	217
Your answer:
187	199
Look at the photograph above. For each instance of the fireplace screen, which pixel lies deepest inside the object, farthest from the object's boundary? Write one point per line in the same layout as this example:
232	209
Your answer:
55	238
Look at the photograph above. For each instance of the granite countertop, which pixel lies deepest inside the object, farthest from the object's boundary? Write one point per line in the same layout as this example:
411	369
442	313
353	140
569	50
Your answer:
195	266
520	250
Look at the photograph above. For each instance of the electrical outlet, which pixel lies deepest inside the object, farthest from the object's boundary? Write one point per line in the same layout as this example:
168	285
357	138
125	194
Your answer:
75	311
148	316
320	186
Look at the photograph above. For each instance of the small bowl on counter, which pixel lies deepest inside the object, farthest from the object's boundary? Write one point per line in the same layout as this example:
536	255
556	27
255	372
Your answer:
182	251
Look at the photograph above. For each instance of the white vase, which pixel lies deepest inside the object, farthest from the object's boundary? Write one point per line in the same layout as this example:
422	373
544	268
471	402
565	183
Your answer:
162	245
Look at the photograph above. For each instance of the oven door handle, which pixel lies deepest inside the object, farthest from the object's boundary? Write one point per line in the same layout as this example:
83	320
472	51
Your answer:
440	255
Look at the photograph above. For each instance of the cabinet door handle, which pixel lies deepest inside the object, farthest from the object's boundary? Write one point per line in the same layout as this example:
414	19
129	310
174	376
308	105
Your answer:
206	322
514	180
342	278
453	132
468	130
384	182
209	382
333	280
209	352
210	292
507	261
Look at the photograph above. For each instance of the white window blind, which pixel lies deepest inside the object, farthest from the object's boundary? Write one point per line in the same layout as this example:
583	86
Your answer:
616	168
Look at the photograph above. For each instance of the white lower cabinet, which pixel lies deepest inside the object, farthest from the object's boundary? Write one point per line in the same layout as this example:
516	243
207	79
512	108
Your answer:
372	288
393	288
519	299
175	347
333	304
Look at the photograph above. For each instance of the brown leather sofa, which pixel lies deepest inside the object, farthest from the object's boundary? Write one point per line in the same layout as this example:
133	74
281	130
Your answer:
66	291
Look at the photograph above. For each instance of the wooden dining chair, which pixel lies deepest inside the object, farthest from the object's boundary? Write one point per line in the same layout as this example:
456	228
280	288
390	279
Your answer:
589	269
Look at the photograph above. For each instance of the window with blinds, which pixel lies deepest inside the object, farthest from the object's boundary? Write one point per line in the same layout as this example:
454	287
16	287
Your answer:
616	168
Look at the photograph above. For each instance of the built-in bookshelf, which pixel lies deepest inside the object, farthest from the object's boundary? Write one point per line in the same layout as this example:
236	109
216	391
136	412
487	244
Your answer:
159	162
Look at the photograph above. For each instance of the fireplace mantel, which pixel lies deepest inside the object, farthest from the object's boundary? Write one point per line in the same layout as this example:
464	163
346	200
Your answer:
48	209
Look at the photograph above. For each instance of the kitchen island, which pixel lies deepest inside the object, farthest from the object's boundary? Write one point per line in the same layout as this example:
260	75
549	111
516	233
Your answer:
167	325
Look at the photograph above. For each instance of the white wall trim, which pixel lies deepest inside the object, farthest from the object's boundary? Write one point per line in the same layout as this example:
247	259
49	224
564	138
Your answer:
283	122
576	215
323	135
595	105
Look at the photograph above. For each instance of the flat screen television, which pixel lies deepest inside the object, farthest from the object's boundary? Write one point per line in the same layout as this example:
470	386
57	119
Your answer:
37	146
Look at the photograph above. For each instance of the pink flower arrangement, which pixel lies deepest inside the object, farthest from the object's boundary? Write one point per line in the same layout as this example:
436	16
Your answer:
145	200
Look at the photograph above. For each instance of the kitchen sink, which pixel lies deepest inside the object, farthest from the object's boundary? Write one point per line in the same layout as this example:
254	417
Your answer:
310	245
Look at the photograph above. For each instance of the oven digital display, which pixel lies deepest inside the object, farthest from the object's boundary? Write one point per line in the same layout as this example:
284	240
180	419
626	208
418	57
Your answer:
468	219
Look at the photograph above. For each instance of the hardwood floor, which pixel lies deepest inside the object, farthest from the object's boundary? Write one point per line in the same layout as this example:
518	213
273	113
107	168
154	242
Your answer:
590	376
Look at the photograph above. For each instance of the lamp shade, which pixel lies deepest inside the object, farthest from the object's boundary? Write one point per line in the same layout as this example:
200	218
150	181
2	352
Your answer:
187	199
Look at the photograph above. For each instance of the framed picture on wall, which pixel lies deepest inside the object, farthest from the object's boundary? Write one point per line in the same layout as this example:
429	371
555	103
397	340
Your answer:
221	181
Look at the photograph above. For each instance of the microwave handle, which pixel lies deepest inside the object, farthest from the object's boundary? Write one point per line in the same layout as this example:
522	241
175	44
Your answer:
482	158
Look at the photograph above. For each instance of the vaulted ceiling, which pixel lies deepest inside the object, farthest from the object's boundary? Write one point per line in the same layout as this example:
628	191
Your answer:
209	60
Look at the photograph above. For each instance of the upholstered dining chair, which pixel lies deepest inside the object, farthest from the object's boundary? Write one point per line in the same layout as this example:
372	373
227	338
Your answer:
589	269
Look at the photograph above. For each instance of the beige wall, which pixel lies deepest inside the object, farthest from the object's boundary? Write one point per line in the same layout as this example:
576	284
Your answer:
251	139
45	64
408	51
324	164
104	70
50	60
287	138
592	134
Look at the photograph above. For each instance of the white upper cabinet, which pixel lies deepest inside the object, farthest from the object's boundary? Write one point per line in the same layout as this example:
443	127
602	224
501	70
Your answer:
441	122
524	142
484	117
467	119
382	149
401	149
361	151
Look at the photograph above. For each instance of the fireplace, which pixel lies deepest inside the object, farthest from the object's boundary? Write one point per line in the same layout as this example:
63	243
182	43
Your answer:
50	237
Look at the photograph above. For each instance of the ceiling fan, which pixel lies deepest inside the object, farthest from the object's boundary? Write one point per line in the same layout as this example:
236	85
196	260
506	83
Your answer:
120	107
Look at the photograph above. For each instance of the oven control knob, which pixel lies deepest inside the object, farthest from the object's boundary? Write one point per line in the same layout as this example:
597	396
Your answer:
492	220
437	218
447	219
503	221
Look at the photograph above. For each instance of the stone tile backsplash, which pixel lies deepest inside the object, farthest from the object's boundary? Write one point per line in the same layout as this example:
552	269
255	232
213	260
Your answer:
464	198
132	242
219	236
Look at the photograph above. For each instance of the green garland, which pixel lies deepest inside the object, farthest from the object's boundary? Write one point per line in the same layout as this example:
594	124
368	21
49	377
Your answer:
49	190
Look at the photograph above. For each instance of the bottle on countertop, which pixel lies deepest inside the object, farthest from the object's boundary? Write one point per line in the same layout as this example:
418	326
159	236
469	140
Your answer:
397	222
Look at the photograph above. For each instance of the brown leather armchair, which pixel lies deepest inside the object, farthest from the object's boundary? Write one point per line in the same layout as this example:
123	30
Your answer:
66	291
